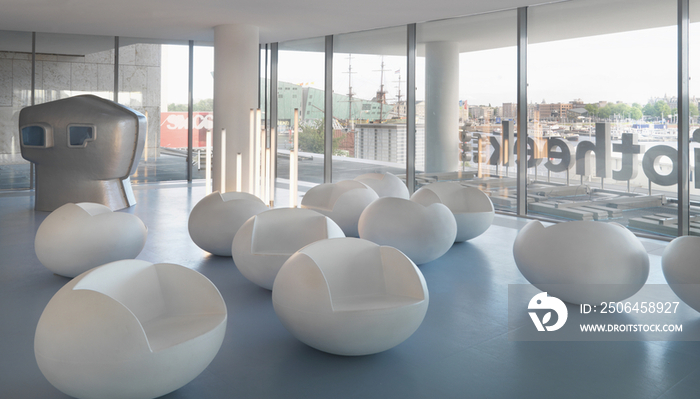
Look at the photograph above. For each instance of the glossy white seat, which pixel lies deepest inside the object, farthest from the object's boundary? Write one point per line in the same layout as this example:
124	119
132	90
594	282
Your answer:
385	184
77	237
423	233
679	262
473	210
130	329
267	240
349	296
217	217
343	202
583	261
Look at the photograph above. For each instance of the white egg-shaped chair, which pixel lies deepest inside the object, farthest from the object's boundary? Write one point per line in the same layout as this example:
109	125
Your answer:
217	217
77	237
423	233
343	202
680	263
268	239
349	296
130	329
473	210
385	184
583	261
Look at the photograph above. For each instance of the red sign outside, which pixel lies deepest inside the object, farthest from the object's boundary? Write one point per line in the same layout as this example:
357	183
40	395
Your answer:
173	129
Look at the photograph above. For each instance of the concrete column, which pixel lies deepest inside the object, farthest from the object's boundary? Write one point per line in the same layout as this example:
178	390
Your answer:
236	52
441	107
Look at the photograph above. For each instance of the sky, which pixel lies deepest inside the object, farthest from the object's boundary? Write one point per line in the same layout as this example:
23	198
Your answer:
629	67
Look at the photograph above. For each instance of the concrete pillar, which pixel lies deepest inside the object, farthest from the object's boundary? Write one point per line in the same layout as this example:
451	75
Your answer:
441	107
236	52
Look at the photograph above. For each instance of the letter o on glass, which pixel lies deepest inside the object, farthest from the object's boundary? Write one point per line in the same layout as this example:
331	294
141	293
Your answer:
648	165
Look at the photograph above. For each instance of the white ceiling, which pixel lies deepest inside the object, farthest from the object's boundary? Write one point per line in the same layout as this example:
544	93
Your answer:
168	21
278	20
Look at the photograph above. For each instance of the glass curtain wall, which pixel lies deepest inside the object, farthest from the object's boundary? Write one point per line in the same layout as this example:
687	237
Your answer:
15	94
466	104
203	107
369	103
694	118
267	165
602	131
301	74
153	79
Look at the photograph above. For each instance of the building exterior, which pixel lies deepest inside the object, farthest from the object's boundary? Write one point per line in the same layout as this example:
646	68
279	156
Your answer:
510	111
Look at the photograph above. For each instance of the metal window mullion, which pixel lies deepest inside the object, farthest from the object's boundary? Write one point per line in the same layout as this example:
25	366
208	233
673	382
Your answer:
328	112
683	119
33	100
190	111
522	113
411	108
115	95
273	109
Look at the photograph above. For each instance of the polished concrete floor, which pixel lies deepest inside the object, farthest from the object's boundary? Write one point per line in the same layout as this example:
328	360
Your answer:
461	350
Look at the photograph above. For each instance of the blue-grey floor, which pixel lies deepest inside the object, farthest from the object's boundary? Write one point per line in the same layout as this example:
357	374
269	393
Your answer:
460	351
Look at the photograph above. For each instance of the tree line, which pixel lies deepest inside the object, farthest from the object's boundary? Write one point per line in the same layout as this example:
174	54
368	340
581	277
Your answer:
659	109
205	105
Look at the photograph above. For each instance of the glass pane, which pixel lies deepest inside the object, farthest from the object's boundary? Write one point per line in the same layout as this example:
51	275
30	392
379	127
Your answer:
694	90
78	136
203	109
301	72
34	136
466	104
15	94
153	77
603	114
369	111
71	65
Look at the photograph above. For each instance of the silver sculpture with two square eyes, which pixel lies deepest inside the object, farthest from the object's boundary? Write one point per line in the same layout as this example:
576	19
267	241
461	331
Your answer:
84	148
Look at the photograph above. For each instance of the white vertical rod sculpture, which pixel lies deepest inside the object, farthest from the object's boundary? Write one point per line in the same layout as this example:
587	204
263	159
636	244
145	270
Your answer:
145	147
207	173
251	153
293	163
239	172
257	154
263	167
267	176
273	163
223	160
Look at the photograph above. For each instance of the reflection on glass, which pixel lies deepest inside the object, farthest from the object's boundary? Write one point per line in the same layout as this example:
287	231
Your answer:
300	86
203	112
602	117
34	136
15	94
369	104
694	89
466	104
78	136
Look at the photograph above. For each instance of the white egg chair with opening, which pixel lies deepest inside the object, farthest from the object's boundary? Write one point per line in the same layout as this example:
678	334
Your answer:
349	296
473	210
343	202
217	217
268	239
130	329
385	184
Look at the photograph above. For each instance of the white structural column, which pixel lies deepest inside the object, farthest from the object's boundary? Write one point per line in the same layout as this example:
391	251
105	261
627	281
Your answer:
236	52
441	106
